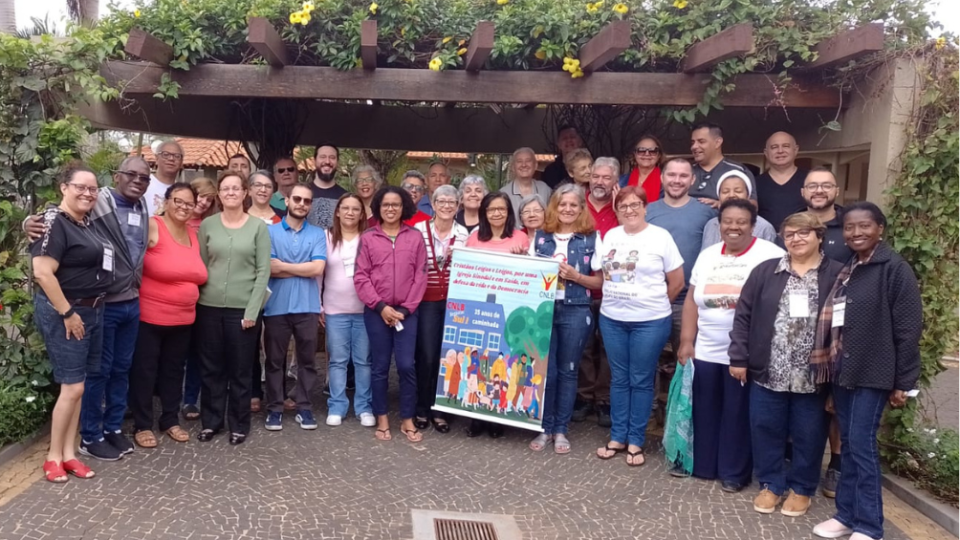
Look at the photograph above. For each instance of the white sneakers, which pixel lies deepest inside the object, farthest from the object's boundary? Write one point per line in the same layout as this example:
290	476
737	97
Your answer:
334	420
368	419
832	528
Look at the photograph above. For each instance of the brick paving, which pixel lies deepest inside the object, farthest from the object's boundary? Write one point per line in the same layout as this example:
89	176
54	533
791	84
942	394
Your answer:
339	483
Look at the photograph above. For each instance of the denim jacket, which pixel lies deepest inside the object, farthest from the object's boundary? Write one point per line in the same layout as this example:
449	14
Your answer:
580	252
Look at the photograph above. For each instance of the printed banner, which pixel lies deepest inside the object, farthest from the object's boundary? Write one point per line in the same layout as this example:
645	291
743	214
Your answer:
496	337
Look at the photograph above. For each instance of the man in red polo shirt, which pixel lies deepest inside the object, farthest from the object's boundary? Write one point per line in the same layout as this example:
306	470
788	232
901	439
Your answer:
593	388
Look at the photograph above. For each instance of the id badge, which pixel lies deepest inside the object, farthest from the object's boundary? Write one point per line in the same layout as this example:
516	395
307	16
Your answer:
799	305
107	258
839	308
133	219
348	266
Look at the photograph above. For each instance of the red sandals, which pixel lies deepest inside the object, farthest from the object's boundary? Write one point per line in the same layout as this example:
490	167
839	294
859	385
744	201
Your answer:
54	472
78	469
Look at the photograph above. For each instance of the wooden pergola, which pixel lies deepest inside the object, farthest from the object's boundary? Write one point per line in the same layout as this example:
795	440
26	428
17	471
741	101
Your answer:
470	110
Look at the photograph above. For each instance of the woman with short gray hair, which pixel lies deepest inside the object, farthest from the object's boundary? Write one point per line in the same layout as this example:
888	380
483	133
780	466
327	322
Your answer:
532	213
366	182
440	235
522	167
472	190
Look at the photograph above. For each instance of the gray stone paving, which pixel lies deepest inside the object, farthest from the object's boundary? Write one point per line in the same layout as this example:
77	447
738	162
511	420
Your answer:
339	483
941	400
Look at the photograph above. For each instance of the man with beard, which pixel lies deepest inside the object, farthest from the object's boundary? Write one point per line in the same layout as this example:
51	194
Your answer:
780	189
593	381
298	254
286	174
437	175
119	216
568	140
325	190
706	145
169	161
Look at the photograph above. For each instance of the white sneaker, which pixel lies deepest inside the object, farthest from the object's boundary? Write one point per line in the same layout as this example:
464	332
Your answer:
334	420
368	419
831	528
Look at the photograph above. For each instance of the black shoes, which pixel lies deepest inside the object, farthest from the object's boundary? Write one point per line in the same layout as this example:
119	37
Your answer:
101	450
207	435
730	486
475	429
496	431
237	438
603	416
580	411
118	441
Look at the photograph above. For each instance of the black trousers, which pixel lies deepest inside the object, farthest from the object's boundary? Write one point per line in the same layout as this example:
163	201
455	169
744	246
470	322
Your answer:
158	364
256	388
276	337
226	368
427	355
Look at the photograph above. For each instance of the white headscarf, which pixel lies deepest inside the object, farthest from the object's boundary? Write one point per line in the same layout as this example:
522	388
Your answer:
736	174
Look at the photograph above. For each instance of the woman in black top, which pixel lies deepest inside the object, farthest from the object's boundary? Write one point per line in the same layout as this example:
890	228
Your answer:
73	265
868	345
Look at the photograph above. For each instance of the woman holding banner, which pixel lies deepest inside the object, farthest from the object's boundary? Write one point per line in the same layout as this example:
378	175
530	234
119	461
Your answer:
569	236
440	235
643	273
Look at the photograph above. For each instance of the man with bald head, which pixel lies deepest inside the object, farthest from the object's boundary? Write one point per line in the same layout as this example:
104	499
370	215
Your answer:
779	190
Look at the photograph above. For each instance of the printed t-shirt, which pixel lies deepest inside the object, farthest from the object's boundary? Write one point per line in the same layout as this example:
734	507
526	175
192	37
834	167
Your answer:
324	203
560	254
634	268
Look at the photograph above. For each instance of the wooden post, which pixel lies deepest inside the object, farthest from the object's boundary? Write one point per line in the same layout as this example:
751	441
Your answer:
847	46
480	47
262	36
368	44
612	40
733	41
146	47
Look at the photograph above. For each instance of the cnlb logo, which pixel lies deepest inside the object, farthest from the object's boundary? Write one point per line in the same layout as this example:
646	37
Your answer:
548	280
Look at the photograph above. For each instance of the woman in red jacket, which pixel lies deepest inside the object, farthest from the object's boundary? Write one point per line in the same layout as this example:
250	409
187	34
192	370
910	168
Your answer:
391	277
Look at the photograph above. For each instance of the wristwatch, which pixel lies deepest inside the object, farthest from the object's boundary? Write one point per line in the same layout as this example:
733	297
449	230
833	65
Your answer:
68	313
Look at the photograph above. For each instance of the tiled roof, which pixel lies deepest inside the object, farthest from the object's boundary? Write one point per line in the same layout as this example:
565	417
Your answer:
541	158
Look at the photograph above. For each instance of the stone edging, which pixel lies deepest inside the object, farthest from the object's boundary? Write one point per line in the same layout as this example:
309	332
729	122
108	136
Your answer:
11	451
940	513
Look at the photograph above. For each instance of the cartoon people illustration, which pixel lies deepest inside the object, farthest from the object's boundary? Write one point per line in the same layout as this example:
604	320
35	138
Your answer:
533	411
514	379
464	369
499	368
496	391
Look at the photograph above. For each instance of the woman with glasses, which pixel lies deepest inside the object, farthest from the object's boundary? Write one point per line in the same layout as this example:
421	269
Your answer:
262	188
440	235
236	250
172	274
642	274
391	277
645	173
472	190
73	266
532	214
366	182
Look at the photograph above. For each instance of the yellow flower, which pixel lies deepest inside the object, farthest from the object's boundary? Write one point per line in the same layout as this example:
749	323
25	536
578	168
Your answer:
571	65
462	51
136	13
680	4
373	8
591	8
308	7
941	43
502	2
446	40
461	42
621	9
540	55
304	18
576	74
296	17
435	64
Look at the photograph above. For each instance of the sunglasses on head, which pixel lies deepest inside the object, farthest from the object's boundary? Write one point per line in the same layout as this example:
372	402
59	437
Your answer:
297	199
281	170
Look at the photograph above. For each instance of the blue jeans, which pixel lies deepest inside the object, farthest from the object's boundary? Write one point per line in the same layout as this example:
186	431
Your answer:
633	349
347	342
121	321
572	325
392	344
859	505
774	416
72	360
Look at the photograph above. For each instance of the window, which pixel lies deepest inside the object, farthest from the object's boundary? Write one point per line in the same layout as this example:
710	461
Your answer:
450	334
472	338
493	342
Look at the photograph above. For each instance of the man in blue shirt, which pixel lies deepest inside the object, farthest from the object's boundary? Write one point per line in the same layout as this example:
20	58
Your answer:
298	255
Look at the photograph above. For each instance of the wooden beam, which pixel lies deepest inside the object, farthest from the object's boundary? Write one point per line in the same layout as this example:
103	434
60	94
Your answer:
612	40
146	47
732	42
423	85
848	45
480	47
262	36
368	44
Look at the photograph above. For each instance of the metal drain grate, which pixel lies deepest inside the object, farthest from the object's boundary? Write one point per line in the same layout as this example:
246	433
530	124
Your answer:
461	529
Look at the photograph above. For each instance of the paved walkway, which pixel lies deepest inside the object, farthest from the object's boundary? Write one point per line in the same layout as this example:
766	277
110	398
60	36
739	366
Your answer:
339	483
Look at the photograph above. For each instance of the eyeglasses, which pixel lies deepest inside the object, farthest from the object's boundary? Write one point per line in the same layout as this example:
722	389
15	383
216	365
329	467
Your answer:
802	234
364	179
641	151
392	205
260	185
819	187
495	211
81	189
531	212
412	187
230	189
145	178
281	170
632	206
297	199
180	203
171	156
445	202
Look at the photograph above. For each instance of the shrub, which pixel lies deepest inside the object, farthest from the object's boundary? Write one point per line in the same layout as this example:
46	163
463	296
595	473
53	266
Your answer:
931	458
24	411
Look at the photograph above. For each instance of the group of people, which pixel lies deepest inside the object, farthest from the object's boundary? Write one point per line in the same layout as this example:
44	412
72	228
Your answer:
159	287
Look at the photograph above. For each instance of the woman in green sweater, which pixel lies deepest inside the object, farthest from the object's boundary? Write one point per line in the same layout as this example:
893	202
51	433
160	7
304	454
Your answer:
236	250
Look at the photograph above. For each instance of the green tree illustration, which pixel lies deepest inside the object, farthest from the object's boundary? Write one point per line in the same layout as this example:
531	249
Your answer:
529	331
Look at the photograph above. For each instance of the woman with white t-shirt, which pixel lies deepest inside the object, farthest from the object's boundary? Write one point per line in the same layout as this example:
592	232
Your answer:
642	274
569	236
342	314
721	419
